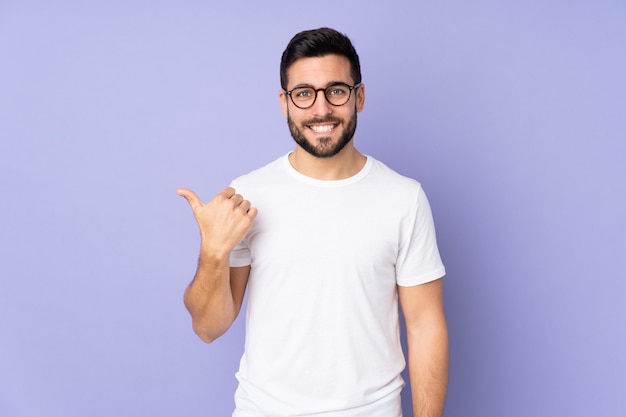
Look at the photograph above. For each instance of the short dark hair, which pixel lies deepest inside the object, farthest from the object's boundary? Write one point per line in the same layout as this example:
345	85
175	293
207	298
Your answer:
318	43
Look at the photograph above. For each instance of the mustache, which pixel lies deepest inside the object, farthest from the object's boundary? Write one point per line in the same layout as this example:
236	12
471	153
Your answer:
321	120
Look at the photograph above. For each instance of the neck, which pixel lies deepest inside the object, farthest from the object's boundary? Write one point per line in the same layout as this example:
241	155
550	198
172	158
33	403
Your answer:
344	165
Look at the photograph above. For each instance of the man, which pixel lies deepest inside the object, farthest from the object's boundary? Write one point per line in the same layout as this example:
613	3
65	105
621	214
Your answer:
333	240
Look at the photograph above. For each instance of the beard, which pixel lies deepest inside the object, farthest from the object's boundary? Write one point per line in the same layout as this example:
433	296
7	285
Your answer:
324	148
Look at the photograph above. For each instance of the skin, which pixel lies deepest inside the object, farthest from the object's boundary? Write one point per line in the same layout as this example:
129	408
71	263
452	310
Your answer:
320	72
427	340
215	295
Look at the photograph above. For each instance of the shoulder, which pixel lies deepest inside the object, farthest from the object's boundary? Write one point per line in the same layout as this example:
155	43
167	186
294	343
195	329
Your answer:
263	175
394	182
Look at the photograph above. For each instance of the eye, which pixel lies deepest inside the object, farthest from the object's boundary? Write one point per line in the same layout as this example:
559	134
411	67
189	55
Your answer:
302	93
337	90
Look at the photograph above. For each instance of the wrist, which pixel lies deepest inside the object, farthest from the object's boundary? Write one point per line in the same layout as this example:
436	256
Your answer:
213	255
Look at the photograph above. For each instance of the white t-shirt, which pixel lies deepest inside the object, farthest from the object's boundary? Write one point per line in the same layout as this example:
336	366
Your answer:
322	332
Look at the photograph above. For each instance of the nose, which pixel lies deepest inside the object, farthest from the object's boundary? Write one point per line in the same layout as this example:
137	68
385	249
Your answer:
321	106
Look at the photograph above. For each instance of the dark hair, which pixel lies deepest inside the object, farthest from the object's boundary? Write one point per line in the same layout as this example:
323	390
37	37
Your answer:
318	43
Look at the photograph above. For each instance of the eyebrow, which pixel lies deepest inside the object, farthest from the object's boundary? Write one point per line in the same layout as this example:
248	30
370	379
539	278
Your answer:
330	84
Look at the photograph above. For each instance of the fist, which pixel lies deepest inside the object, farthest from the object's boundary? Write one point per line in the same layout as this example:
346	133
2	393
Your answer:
224	221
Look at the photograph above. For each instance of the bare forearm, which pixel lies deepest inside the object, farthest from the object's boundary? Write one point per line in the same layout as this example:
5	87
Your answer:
428	371
209	297
215	295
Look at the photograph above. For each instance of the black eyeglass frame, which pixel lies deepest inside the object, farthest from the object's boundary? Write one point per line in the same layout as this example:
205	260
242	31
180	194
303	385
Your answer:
350	87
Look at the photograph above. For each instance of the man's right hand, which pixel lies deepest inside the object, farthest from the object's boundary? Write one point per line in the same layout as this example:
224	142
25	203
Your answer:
223	222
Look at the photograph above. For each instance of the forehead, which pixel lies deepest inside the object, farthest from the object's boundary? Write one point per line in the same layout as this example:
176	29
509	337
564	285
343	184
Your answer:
319	71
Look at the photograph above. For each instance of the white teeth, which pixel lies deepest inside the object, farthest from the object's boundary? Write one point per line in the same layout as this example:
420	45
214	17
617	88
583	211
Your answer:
322	128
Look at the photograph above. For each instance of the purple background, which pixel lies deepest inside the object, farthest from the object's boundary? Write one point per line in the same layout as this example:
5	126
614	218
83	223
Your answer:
511	114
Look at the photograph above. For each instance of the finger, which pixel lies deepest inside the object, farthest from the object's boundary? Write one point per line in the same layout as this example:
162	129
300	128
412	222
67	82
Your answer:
191	197
245	206
237	199
227	192
252	212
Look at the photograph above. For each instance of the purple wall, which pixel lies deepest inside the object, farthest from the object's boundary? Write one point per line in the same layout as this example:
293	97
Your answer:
511	114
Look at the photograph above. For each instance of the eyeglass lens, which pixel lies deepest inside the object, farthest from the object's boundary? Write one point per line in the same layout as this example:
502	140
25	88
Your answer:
337	95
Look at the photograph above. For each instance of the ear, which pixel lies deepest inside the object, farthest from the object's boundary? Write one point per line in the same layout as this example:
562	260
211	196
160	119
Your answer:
360	98
283	102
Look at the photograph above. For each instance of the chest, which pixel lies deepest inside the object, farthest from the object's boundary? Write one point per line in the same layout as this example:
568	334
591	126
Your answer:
326	228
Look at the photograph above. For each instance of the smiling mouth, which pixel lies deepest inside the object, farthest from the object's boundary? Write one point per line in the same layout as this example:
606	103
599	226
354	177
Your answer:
325	128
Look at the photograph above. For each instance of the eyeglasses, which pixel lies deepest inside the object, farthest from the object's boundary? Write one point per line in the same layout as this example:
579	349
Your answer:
336	94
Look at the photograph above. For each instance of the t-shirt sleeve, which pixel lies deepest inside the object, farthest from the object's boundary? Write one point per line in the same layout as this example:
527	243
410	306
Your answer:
418	260
240	255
